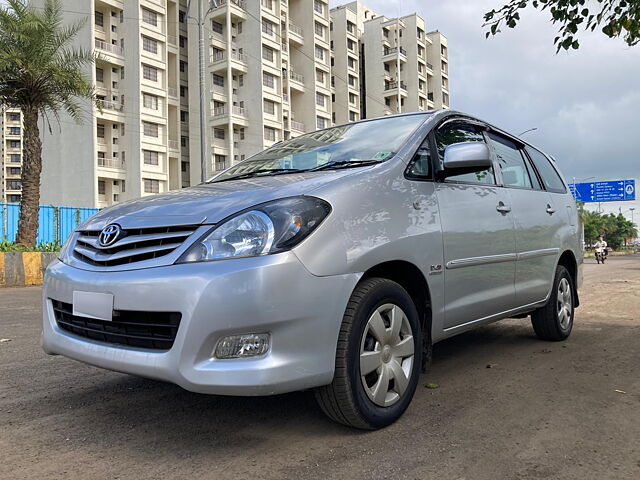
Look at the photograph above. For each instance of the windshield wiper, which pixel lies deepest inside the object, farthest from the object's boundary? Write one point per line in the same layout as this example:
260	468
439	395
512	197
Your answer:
255	173
345	164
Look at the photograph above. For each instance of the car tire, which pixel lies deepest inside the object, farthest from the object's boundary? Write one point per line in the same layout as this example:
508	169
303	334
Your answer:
554	321
381	333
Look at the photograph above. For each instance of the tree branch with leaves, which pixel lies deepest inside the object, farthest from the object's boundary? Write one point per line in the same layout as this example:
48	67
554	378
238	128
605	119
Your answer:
615	18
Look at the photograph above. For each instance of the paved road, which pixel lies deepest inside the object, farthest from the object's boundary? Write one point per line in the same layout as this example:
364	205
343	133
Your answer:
544	410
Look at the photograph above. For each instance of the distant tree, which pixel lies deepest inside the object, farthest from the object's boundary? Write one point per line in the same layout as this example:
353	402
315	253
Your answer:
41	74
615	18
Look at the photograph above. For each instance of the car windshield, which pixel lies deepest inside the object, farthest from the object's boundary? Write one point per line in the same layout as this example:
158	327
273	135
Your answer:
338	147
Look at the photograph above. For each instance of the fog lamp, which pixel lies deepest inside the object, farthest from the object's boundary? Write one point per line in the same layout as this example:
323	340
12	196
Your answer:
242	346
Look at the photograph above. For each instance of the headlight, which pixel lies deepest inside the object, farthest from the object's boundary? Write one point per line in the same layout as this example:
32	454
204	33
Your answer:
268	228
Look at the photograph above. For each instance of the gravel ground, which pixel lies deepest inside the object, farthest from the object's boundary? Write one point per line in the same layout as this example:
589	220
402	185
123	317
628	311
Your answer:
508	406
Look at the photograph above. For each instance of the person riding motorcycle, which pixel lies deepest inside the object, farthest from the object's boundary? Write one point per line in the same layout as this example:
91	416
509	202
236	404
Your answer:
601	250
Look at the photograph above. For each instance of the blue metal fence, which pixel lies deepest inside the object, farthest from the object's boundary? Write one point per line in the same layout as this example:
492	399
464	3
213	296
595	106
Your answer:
55	225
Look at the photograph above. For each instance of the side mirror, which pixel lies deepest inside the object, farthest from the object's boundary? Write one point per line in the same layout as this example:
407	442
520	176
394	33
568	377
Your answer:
467	157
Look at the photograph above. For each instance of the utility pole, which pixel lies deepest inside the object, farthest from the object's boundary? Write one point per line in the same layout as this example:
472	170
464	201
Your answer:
200	19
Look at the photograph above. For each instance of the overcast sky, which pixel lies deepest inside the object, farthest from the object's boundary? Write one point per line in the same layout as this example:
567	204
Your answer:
585	103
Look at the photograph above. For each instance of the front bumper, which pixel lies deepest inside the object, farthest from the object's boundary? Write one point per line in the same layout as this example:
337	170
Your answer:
273	294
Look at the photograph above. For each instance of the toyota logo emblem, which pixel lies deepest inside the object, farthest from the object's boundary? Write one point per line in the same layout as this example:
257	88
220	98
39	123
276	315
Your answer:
110	235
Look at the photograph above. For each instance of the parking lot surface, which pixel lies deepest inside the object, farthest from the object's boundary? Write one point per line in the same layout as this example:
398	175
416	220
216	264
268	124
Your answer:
507	406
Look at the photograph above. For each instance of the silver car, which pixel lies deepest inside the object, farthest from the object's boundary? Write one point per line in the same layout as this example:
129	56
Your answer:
332	261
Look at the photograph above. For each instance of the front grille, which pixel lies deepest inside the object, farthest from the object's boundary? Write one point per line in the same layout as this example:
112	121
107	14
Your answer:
134	245
151	330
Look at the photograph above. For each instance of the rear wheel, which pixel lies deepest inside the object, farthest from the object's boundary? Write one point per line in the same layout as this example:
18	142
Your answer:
378	358
554	321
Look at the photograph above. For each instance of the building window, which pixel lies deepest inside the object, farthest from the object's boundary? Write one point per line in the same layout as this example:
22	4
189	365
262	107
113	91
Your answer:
445	98
14	158
319	29
351	45
99	75
183	66
150	73
99	19
184	116
352	98
181	16
183	41
149	45
100	130
216	27
352	80
220	162
14	117
14	130
321	123
351	27
13	198
184	141
151	185
217	79
268	27
270	134
150	157
183	91
102	187
267	53
353	116
150	101
318	6
320	53
320	76
14	171
269	107
150	17
151	129
268	80
219	133
352	63
321	99
268	4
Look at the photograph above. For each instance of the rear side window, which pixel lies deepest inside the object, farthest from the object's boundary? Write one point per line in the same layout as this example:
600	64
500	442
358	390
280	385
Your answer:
550	177
458	133
511	161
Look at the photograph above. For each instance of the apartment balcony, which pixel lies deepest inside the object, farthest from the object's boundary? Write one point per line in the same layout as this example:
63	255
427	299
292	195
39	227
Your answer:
237	9
298	126
393	54
112	163
109	106
391	89
238	116
109	48
296	81
9	174
296	34
9	133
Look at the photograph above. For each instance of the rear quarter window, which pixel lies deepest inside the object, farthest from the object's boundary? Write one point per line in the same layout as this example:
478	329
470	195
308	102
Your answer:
548	173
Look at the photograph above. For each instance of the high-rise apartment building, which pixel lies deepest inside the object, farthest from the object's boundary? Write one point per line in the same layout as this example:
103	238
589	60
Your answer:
131	146
273	70
385	65
267	75
11	156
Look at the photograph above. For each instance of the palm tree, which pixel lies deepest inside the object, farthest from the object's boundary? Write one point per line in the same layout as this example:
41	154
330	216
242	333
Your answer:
43	75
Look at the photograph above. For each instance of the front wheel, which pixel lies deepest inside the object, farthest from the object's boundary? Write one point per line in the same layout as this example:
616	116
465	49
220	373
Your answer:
378	357
554	321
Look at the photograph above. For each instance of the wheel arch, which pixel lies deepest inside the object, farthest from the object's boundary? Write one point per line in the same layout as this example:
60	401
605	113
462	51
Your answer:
568	261
411	278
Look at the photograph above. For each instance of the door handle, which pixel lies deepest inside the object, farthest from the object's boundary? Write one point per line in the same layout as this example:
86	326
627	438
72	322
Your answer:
503	209
550	210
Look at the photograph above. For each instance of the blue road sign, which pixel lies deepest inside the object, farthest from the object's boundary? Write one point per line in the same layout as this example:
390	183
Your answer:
615	191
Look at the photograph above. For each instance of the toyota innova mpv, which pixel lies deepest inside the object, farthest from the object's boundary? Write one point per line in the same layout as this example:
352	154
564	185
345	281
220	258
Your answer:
332	261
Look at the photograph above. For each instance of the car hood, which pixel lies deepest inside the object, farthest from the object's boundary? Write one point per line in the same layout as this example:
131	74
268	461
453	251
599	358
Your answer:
209	203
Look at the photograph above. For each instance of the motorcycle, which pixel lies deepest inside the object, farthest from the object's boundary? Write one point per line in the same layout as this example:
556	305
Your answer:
602	256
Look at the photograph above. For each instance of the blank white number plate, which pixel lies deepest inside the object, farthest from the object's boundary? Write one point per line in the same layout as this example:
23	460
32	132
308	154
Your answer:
98	306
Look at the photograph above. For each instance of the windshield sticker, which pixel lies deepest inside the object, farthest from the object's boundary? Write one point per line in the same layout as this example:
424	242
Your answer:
381	155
